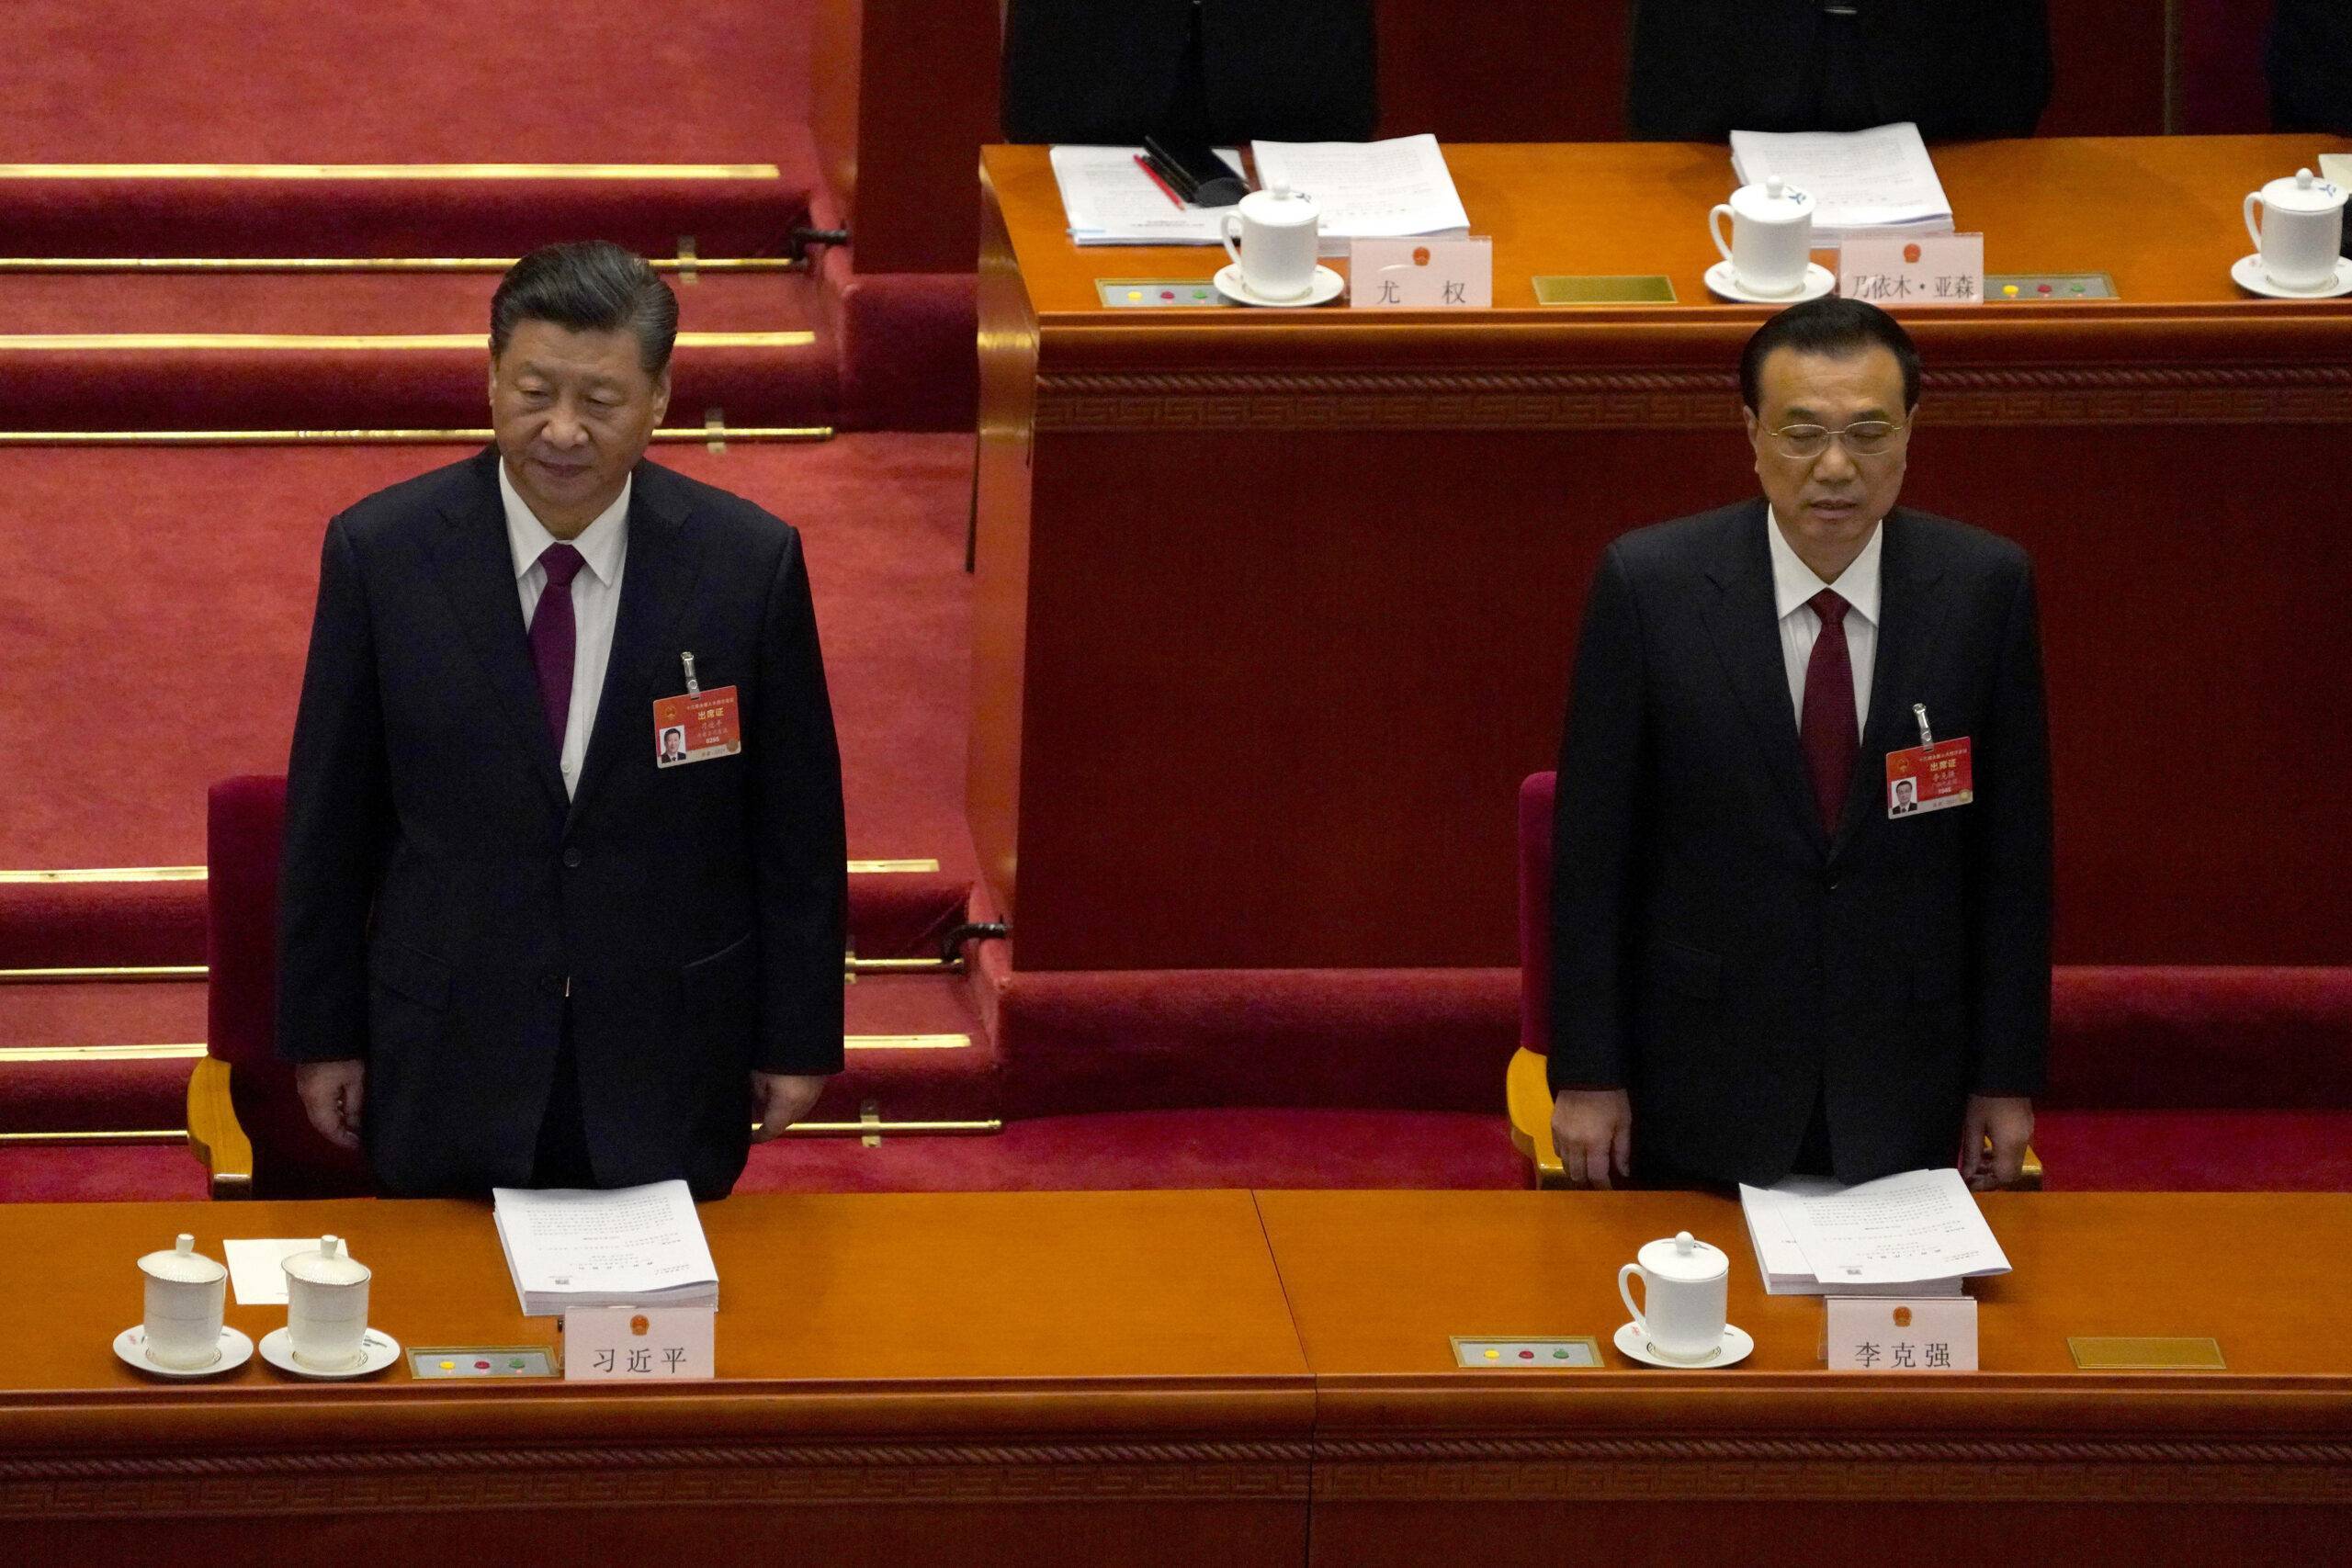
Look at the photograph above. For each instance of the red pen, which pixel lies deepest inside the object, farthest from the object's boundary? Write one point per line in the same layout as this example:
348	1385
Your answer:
1153	175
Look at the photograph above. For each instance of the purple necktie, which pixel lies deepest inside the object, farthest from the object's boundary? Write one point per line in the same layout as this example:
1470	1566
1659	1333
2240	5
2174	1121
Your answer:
1828	730
555	637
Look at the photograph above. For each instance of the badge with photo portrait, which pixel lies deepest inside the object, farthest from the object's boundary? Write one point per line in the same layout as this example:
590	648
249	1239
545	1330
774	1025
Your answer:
696	727
1929	778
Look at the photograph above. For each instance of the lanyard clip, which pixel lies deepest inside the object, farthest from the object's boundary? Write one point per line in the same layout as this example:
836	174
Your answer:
694	687
1919	712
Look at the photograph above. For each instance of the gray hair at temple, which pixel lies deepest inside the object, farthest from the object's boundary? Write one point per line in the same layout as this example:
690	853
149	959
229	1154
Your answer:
588	286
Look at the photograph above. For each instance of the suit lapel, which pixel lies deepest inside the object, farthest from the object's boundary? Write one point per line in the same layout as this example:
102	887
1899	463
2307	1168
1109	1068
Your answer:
657	584
476	566
1745	626
1910	618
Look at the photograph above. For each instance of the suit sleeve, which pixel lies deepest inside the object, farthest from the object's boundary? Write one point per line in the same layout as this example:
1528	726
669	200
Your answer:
2011	909
799	843
338	820
1596	833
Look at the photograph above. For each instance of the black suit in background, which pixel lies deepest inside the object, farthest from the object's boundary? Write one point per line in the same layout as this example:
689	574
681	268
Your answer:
439	893
2310	66
1702	69
1716	953
1109	71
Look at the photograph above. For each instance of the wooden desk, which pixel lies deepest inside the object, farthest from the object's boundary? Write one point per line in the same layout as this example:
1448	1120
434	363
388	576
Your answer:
1046	1378
1780	1462
1275	609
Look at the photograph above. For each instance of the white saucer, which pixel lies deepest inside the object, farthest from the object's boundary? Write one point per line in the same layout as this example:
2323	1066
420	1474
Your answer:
1819	281
235	1351
380	1350
1628	1338
1322	291
2247	273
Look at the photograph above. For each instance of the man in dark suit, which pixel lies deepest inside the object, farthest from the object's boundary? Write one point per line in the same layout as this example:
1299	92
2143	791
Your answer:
476	982
1758	969
1702	69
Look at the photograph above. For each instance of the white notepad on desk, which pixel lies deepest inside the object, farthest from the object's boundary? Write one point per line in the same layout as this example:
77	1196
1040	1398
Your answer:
1859	180
1917	1234
631	1247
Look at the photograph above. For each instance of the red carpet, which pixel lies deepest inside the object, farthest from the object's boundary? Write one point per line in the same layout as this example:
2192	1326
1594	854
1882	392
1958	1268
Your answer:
401	80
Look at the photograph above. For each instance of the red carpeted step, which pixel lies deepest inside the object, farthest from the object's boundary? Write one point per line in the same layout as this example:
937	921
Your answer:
902	1059
86	1095
99	1173
100	1014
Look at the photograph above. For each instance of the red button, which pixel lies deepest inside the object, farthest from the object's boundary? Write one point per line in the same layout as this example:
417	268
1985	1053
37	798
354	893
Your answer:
481	1366
2043	289
1527	1355
1168	294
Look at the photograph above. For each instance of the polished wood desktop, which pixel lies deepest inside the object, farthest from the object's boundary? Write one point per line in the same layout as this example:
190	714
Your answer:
1181	1376
1275	609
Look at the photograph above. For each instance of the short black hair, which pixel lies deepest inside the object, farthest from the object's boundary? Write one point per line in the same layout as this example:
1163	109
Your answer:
588	286
1831	326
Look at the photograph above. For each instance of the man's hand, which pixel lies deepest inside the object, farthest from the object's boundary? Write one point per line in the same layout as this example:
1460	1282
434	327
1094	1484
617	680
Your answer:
1593	1131
2007	1120
779	1100
331	1093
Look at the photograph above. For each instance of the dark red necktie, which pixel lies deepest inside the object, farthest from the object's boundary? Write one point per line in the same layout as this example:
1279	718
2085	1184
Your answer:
555	637
1828	730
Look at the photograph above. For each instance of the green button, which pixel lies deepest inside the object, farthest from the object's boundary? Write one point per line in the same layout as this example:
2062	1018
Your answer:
516	1363
1559	1355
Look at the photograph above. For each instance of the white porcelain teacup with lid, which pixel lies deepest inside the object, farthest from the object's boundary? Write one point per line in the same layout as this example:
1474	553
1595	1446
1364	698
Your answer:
2302	230
1273	236
326	1306
1771	236
1685	1287
187	1295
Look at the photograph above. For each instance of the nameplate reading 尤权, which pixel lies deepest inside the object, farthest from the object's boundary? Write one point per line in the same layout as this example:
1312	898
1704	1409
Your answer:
1422	273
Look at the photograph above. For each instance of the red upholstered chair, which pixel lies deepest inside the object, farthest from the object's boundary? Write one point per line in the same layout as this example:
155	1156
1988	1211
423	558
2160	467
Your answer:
242	1115
1527	1090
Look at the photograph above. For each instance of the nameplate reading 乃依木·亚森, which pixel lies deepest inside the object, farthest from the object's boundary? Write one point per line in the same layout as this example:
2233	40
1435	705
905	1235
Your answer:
1897	270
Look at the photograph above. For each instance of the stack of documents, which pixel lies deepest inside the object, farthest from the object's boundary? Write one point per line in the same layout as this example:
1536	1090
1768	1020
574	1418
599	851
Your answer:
633	1246
1919	1234
1367	190
1861	181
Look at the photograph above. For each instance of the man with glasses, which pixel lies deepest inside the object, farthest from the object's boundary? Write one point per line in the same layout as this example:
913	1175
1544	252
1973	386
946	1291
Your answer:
1759	966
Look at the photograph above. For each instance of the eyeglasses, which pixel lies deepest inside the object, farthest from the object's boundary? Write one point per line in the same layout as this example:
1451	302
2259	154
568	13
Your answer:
1865	438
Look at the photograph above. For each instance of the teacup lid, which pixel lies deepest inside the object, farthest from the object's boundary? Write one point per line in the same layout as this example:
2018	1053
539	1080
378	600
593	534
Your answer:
1774	201
183	1265
2303	193
1279	206
1683	1259
329	1265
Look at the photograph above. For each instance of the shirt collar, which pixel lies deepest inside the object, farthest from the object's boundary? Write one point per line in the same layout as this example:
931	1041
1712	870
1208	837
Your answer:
599	543
1794	583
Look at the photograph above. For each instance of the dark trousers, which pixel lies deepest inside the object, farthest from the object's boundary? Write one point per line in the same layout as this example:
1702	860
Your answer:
1839	78
562	1157
1813	1159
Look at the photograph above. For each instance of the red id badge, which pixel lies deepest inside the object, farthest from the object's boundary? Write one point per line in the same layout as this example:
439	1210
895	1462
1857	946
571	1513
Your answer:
1929	778
696	727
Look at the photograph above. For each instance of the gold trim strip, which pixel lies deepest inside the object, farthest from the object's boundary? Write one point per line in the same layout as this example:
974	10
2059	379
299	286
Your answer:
453	437
141	1136
886	867
905	965
877	1129
389	172
875	1042
109	873
111	972
83	343
11	1055
686	265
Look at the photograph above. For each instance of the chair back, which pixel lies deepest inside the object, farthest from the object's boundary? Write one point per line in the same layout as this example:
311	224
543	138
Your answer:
1535	913
244	833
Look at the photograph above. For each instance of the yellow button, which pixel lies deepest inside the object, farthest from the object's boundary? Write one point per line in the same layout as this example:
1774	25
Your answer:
2009	289
1135	293
1494	1355
449	1366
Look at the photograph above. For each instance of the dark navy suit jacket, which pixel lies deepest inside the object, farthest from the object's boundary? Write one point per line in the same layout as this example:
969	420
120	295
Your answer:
442	903
1719	955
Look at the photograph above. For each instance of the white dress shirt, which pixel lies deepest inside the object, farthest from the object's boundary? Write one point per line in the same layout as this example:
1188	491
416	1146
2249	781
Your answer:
595	602
1794	583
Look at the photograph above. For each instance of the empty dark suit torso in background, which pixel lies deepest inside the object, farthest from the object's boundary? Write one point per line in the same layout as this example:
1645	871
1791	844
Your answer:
439	895
1720	957
1702	69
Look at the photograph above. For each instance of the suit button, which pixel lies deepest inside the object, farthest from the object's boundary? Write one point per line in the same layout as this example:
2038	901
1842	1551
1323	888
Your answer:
572	858
1834	884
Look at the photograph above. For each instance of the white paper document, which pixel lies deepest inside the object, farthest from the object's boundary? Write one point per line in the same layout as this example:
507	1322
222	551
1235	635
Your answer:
257	1267
1859	180
1368	190
1917	1234
633	1246
1110	200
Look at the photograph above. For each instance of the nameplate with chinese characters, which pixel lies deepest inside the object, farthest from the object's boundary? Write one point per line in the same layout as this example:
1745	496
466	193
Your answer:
1421	275
637	1344
1894	270
1878	1334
